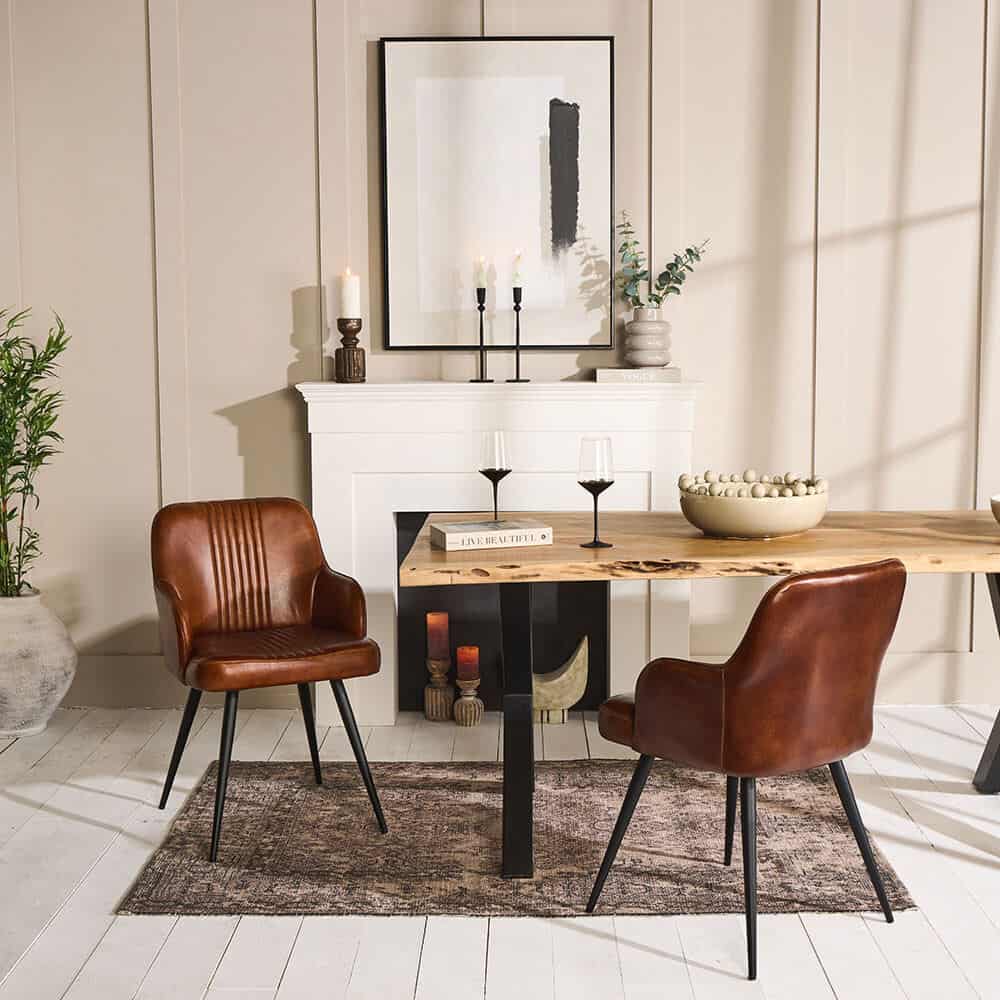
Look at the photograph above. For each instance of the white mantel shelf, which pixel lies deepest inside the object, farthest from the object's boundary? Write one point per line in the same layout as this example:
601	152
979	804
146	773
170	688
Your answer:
569	388
383	447
417	407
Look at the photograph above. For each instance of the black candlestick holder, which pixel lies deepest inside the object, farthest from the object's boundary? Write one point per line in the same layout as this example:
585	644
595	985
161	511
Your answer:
481	306
517	337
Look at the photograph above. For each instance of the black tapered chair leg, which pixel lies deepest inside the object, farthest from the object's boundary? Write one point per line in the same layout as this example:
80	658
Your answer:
305	698
347	716
635	787
748	829
850	805
732	790
194	696
225	756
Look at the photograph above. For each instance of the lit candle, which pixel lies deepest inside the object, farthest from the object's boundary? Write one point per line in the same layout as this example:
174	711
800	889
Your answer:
480	272
437	635
517	281
350	295
468	663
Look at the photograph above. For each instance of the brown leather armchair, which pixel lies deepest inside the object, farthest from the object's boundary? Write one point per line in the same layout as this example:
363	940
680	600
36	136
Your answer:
246	600
798	693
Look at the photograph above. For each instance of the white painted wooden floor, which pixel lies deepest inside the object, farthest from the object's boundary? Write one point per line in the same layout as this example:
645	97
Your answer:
78	819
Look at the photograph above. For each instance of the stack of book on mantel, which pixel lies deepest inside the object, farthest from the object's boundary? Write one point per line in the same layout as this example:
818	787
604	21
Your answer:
452	536
639	375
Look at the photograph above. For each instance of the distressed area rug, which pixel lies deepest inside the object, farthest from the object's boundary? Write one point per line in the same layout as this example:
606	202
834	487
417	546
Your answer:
291	847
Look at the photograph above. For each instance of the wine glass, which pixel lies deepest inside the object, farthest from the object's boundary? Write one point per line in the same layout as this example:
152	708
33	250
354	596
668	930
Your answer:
494	464
597	473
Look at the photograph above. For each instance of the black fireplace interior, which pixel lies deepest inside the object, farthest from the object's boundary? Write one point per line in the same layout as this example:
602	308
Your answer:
562	615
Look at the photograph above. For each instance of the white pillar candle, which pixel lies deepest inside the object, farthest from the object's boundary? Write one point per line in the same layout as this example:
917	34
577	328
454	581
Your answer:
517	281
480	272
350	295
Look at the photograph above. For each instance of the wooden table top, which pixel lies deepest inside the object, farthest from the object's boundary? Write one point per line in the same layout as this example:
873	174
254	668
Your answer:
663	546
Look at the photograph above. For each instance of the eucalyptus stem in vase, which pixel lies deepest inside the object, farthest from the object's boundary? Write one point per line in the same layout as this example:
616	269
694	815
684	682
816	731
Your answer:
648	342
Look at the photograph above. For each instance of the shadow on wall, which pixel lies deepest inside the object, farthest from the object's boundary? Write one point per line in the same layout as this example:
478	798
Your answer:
271	429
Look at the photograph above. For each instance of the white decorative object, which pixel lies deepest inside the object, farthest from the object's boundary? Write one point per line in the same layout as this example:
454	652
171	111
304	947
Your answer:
517	279
648	342
995	506
379	448
779	505
555	693
739	517
37	664
350	295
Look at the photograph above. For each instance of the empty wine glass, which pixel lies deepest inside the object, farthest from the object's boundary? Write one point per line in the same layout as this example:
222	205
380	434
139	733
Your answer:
494	464
597	473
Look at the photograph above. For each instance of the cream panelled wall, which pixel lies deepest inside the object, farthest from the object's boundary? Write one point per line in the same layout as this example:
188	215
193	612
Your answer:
181	185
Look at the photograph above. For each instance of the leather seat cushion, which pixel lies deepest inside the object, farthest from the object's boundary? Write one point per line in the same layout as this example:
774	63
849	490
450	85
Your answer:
295	654
616	719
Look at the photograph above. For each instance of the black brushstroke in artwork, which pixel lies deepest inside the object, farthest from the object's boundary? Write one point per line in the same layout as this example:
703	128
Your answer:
564	171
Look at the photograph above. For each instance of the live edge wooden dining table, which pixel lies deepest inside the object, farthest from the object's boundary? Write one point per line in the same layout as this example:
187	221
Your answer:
663	546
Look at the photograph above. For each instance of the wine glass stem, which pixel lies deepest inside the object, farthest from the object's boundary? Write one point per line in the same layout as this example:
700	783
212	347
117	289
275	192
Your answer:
496	508
596	539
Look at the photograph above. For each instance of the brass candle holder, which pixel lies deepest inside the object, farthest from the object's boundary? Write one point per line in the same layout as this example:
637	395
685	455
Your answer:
349	360
469	707
439	695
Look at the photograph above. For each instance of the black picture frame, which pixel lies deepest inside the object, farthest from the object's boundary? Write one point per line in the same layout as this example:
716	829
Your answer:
384	199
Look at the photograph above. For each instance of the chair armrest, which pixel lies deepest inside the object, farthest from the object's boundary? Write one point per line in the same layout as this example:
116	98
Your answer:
679	707
175	627
339	603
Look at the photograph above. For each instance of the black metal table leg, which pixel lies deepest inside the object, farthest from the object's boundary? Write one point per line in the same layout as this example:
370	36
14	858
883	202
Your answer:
987	777
518	731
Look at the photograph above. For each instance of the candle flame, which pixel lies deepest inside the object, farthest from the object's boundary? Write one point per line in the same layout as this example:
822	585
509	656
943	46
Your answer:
347	273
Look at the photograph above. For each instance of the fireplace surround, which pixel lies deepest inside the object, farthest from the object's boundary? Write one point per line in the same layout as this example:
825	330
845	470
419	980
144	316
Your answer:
384	449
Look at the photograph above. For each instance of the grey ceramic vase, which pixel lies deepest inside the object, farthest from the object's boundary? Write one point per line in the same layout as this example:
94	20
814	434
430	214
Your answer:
37	664
647	344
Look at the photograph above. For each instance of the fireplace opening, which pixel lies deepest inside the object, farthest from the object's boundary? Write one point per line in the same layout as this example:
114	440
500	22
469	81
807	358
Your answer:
562	614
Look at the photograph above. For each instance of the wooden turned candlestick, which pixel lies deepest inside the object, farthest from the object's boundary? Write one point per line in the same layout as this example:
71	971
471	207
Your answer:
439	695
349	360
469	707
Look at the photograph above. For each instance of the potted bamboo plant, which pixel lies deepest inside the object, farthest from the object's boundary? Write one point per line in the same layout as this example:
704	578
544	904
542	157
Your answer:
37	658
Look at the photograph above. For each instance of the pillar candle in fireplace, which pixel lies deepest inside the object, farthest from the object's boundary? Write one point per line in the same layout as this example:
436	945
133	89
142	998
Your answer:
468	662
437	635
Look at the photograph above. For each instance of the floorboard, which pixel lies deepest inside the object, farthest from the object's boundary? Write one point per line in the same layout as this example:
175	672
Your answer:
257	954
188	959
453	958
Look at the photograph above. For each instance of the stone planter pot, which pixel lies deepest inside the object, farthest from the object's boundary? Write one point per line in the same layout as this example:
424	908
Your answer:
37	664
648	342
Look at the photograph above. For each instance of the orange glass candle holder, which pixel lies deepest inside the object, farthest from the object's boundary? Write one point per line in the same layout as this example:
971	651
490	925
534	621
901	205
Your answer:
437	635
468	663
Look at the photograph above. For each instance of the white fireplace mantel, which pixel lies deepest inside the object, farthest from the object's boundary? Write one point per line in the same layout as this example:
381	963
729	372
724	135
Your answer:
380	448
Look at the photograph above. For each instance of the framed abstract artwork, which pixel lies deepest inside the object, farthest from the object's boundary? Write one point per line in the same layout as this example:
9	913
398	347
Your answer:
497	170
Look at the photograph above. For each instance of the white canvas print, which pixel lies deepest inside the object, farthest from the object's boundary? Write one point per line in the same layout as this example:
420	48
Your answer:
498	150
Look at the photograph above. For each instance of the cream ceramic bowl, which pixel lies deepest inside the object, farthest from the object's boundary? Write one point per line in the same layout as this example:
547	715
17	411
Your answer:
758	517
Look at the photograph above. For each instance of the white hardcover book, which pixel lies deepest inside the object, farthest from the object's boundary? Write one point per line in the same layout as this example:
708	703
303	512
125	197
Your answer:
641	376
452	536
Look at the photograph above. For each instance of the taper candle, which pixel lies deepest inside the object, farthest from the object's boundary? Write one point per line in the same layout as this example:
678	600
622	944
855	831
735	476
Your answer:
350	295
480	272
517	281
468	662
437	635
